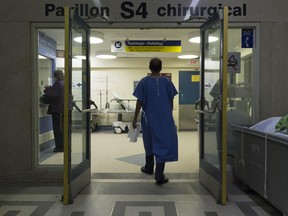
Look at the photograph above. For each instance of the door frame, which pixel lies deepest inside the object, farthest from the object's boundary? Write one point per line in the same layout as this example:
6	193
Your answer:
215	180
77	177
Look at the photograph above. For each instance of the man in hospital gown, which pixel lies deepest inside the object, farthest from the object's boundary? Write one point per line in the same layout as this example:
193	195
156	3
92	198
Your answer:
155	95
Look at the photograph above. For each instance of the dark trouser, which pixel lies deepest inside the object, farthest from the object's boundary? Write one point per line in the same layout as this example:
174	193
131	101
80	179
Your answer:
159	171
149	166
57	120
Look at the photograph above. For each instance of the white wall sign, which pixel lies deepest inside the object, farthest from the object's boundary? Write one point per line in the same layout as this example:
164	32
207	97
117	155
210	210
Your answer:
234	62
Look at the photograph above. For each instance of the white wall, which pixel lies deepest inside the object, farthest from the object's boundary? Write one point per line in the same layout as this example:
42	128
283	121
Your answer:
119	75
122	73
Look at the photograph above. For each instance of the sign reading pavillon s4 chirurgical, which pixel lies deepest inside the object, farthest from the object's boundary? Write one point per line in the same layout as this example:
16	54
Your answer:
137	9
81	9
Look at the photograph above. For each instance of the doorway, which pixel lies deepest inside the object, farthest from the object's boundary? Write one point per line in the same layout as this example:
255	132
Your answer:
116	78
116	146
111	79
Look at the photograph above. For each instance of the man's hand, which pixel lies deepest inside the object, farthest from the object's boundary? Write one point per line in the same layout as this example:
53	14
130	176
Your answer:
134	124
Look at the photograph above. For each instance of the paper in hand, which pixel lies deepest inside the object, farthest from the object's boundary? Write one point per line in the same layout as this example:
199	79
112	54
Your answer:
133	133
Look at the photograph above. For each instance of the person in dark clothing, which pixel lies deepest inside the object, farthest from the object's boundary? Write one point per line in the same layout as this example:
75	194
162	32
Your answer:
155	95
55	95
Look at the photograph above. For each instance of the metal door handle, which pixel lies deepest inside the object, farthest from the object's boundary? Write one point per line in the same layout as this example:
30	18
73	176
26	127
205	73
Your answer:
89	110
207	111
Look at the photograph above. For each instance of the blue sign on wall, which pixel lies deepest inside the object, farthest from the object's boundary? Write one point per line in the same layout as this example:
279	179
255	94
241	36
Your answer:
47	46
247	38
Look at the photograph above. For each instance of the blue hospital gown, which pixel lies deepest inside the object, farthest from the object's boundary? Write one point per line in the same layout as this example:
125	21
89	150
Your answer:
158	127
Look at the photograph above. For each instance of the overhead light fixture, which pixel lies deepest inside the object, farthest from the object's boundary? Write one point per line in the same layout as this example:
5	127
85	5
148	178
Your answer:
41	57
188	56
80	57
195	38
211	39
105	56
95	38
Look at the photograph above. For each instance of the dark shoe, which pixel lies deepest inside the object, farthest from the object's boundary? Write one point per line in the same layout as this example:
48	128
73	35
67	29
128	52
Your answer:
162	181
144	170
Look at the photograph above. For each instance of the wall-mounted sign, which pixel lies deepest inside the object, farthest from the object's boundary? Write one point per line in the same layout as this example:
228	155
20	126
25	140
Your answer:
146	10
234	62
146	46
47	46
247	38
195	78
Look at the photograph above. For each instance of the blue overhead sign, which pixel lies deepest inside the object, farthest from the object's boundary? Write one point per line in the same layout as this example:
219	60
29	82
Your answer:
247	38
146	46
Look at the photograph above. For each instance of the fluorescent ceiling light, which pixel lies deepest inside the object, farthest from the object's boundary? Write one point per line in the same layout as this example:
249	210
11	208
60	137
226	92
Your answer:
188	56
106	56
95	38
41	57
211	39
80	57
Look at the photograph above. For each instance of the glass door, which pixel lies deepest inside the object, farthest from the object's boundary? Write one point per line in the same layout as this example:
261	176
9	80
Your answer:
212	106
77	171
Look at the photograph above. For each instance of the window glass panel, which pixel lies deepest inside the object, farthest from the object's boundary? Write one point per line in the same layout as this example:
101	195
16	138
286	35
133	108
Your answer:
240	85
79	85
50	43
212	123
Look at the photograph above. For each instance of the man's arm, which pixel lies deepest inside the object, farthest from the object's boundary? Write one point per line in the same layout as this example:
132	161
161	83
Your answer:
137	110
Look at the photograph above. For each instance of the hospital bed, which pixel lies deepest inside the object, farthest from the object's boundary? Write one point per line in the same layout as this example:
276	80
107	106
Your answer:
261	161
118	116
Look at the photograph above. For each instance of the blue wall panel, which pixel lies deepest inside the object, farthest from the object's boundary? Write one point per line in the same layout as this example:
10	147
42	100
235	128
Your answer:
45	124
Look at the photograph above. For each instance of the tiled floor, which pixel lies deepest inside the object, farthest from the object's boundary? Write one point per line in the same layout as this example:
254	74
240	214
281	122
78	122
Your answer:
118	188
131	198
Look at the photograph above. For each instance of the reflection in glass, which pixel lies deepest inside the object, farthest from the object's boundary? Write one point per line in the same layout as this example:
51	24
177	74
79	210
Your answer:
47	63
240	95
212	96
46	137
52	41
79	84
